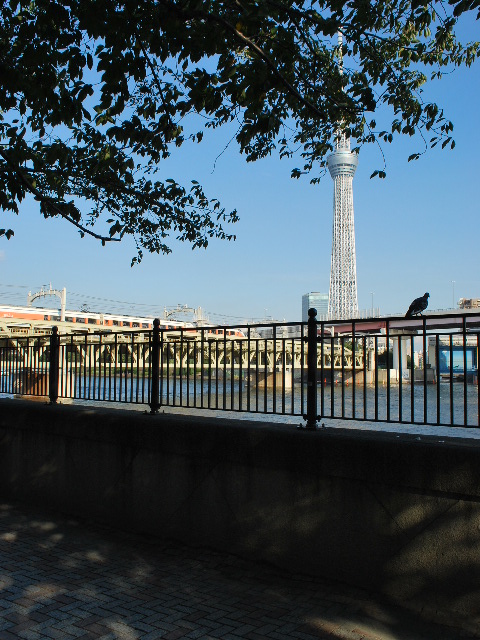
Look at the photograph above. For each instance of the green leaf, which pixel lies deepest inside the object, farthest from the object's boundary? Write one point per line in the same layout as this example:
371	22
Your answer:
154	80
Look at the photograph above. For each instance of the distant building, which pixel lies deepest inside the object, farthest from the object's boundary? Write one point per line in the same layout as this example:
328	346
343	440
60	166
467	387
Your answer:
469	303
315	300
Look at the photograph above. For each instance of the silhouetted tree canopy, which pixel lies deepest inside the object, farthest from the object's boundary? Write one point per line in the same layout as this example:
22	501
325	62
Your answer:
95	95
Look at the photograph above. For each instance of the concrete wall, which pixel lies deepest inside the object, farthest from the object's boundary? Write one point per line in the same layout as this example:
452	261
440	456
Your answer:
392	513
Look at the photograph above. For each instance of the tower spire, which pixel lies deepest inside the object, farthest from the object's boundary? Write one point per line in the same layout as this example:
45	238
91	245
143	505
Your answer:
341	139
342	164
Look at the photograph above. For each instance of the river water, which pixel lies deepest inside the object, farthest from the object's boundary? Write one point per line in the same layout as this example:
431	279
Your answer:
443	404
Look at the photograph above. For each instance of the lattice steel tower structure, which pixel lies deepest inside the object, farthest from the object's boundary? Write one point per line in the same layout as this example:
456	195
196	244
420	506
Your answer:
342	164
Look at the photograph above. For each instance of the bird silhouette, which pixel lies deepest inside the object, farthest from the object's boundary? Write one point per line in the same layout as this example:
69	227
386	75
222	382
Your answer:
417	306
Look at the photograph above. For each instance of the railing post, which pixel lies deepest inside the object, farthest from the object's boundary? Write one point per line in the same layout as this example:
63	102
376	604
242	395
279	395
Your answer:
155	364
311	416
54	363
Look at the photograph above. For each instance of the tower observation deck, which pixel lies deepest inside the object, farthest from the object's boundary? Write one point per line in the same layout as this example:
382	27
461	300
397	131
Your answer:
342	164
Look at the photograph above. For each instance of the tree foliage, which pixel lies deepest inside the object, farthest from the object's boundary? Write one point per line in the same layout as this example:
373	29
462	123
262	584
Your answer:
95	96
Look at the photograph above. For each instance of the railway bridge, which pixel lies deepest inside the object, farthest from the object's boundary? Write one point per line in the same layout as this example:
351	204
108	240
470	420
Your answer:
194	349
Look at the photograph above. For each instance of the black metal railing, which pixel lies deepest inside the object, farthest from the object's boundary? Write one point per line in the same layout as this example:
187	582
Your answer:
420	371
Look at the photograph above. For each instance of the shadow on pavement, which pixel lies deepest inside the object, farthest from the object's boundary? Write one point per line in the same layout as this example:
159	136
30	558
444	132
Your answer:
64	578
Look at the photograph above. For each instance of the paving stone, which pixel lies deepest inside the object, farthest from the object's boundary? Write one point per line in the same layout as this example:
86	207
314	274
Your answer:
62	579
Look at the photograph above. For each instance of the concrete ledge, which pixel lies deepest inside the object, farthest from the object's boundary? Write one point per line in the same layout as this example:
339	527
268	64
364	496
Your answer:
379	511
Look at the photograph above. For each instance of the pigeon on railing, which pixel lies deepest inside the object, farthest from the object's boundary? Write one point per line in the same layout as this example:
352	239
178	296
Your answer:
417	306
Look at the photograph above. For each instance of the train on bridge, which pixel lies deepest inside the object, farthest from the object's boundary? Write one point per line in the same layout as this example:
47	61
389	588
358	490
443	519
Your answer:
16	321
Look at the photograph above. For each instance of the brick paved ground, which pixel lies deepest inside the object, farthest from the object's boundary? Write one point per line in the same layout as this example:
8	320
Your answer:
65	579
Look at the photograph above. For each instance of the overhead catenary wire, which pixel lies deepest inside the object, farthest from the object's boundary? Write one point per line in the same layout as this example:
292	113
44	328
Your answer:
100	304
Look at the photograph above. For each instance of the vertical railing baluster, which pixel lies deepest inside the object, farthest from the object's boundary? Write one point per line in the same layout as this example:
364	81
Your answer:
209	377
333	381
202	366
232	374
425	397
112	362
71	366
44	360
143	351
249	355
75	368
412	379
437	374
224	369
284	366
35	369
342	353
60	368
364	347
25	375
167	372
353	370
465	372
387	332
240	374
182	343
274	374
478	380
132	363
322	369
187	373
265	386
400	379
93	379
15	369
201	356
375	355
303	338
452	419
85	361
120	357
137	375
102	366
292	351
90	348
257	357
216	373
16	366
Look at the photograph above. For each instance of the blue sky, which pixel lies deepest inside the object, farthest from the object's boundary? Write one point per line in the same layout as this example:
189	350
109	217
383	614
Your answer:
416	231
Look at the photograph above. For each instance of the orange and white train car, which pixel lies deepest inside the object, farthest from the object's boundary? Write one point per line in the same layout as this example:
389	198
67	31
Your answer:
21	316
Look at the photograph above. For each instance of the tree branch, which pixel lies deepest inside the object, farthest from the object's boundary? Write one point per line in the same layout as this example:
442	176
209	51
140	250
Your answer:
253	47
50	202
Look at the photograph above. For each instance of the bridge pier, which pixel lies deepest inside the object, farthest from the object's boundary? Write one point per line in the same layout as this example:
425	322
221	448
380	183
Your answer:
400	364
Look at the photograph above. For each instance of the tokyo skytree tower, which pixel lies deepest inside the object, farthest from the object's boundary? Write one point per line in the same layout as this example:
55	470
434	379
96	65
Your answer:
342	164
